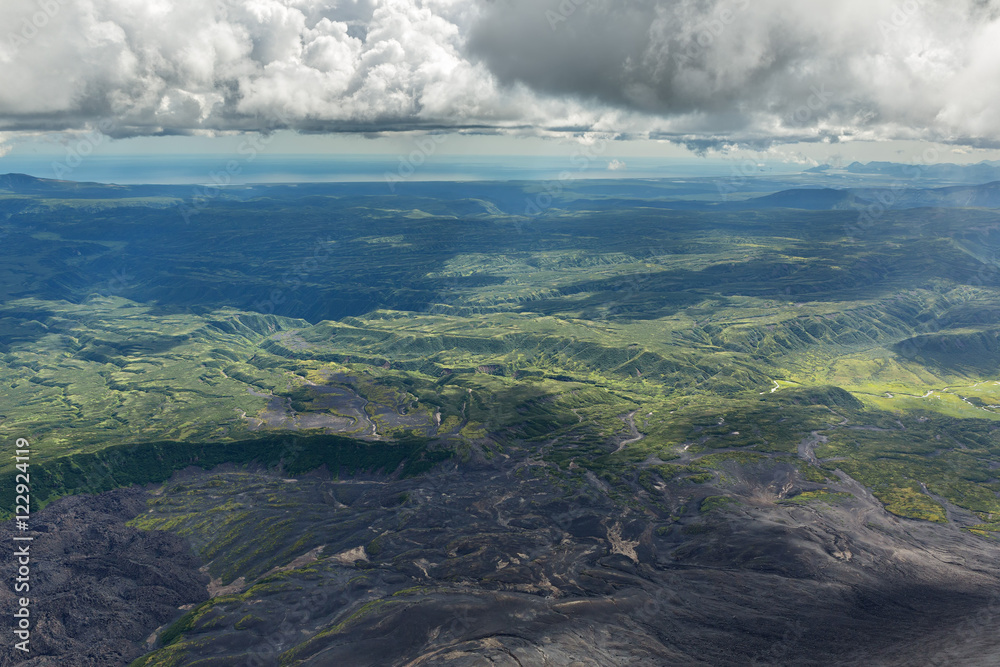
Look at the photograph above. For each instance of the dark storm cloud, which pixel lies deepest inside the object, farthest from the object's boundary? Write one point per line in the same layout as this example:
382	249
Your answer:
705	72
767	70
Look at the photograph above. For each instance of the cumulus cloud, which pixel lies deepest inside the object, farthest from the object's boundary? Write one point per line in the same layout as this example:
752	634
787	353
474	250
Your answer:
705	72
762	71
181	66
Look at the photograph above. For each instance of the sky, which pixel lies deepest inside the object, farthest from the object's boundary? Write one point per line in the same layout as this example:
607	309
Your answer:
786	82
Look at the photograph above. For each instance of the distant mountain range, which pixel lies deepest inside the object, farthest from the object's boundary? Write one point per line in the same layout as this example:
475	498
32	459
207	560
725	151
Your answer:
829	199
970	173
23	184
575	196
962	196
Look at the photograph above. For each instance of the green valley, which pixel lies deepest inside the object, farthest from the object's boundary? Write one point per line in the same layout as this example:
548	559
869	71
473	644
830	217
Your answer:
683	366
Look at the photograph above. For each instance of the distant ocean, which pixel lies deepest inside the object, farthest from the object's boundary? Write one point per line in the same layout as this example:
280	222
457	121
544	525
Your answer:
198	169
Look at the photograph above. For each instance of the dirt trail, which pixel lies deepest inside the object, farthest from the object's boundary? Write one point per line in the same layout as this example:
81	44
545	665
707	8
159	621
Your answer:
955	515
808	446
629	420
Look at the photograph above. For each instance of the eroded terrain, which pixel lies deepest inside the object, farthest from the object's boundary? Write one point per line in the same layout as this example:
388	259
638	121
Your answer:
493	561
732	435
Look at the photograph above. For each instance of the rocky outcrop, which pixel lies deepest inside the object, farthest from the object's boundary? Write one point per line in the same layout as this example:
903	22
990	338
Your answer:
99	588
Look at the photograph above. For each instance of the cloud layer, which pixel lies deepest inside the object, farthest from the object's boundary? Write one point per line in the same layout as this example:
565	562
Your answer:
700	71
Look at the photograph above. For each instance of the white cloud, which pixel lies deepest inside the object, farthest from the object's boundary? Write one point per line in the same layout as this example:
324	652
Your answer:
707	72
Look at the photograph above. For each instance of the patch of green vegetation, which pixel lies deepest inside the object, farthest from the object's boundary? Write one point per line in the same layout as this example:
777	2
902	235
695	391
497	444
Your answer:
186	623
695	348
723	332
713	503
151	463
292	656
171	656
821	496
911	503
